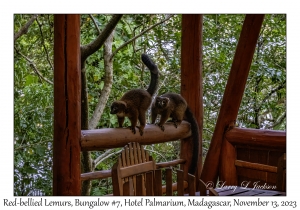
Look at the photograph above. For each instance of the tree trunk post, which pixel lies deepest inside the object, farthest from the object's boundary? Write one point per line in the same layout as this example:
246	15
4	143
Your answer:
67	126
232	98
191	82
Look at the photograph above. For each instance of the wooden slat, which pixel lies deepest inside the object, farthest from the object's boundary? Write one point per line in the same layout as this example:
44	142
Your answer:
169	188
143	154
180	183
107	138
123	159
132	154
133	160
256	166
117	184
227	167
96	175
170	163
192	185
136	169
158	183
174	187
126	188
127	157
131	189
135	153
233	93
281	173
250	176
257	137
139	185
139	155
149	183
273	157
257	155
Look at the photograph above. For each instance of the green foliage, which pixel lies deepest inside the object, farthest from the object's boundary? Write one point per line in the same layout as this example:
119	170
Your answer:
33	120
263	105
265	95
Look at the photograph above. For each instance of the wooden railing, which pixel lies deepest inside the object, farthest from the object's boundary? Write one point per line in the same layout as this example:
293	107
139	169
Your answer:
251	155
257	138
108	138
107	173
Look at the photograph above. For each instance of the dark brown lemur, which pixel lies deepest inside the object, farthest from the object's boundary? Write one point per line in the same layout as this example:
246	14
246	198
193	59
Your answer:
135	103
173	105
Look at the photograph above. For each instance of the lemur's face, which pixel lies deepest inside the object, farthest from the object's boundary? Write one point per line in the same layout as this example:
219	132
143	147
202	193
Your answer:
117	107
162	102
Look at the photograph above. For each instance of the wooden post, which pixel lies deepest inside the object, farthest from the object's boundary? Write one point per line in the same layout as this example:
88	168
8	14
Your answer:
233	95
67	93
191	82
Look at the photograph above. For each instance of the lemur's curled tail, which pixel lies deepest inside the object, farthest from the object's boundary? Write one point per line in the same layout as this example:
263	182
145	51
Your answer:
134	103
154	74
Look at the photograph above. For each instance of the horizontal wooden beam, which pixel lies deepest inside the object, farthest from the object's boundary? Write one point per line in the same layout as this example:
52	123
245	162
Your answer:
136	169
170	163
174	187
256	166
96	175
257	137
107	173
107	138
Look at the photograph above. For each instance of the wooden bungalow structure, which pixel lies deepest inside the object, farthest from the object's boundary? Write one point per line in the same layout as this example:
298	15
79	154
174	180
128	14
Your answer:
235	154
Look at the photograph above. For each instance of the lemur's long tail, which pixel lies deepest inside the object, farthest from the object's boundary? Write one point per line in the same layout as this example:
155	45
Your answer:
154	73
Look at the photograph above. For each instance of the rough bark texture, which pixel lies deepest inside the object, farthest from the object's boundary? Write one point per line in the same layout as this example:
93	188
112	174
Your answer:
24	29
108	66
92	47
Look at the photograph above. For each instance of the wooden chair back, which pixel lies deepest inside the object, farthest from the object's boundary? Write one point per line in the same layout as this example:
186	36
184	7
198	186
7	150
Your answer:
133	171
135	174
